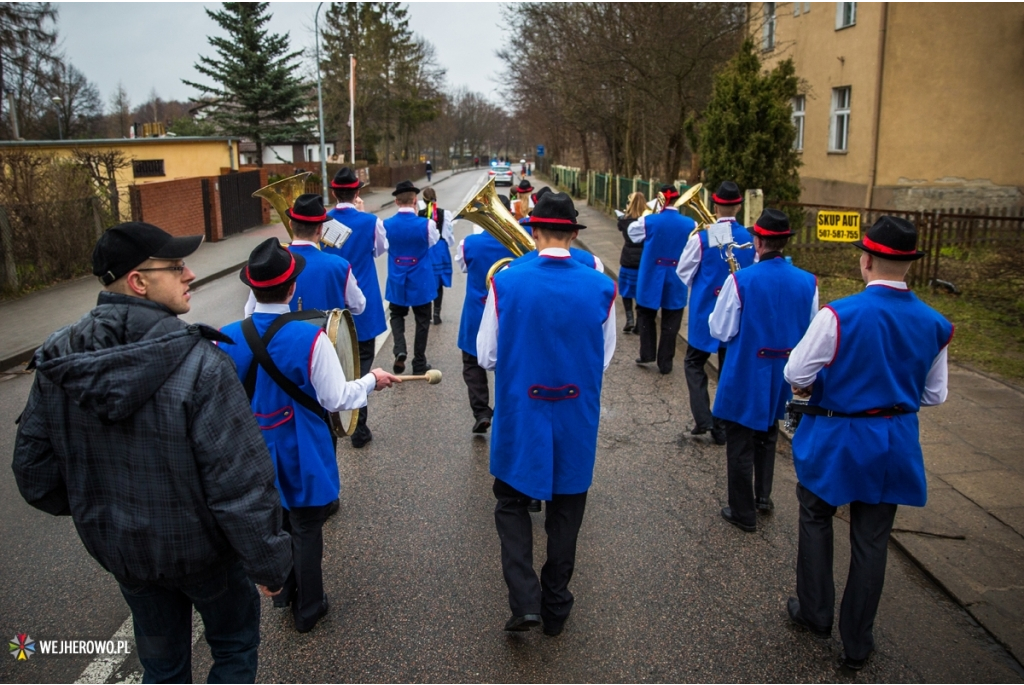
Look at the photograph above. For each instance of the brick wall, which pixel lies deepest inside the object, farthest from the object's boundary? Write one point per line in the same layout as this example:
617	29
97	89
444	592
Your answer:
177	206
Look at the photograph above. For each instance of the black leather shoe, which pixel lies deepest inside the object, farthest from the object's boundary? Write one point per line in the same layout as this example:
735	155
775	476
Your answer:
482	424
698	430
399	366
718	436
437	319
519	624
764	505
324	608
361	437
665	370
793	608
854	664
727	515
333	508
420	372
641	361
553	628
534	506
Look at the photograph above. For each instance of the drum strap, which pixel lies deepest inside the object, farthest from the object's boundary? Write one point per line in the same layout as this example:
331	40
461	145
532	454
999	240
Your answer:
262	358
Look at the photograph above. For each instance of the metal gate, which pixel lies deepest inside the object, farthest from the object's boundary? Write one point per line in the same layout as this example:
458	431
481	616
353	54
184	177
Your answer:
239	210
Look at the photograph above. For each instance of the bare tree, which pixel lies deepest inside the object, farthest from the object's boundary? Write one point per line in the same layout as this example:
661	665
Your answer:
103	166
120	111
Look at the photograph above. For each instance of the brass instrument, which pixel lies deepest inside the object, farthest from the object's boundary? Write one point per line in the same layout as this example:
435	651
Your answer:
486	211
282	194
733	264
691	200
659	204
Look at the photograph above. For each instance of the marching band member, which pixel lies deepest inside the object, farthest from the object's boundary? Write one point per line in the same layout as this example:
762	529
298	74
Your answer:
523	202
629	258
663	236
579	254
760	315
868	363
548	331
292	414
703	269
368	240
440	253
410	275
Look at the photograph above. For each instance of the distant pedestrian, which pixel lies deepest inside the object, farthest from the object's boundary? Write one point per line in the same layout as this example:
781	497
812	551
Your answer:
868	363
138	429
476	162
429	169
629	258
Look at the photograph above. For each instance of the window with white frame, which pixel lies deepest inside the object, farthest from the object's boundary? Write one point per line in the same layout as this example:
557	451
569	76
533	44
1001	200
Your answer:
768	31
846	14
839	127
799	103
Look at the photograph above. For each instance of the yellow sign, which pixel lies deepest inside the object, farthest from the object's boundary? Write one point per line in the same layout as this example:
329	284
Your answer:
842	227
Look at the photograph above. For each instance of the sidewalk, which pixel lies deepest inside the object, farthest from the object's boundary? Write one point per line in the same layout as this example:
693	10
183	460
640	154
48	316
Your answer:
28	320
970	537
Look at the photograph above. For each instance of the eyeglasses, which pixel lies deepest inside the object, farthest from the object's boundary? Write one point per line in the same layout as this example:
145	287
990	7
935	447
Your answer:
178	269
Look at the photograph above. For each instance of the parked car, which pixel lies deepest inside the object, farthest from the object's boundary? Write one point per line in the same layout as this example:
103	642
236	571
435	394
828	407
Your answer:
502	174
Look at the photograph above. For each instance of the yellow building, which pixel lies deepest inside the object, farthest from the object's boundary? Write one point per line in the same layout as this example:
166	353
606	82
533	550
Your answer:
904	105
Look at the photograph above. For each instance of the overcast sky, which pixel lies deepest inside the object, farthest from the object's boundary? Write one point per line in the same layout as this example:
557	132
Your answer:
150	46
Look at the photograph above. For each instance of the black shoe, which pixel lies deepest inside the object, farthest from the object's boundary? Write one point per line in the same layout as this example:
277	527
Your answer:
854	664
420	372
665	370
534	506
437	319
361	437
718	436
727	515
765	505
641	361
519	624
482	424
553	628
324	608
399	366
698	430
793	608
333	508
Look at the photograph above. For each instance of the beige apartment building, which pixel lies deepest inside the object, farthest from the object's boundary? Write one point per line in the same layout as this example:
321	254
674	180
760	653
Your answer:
904	105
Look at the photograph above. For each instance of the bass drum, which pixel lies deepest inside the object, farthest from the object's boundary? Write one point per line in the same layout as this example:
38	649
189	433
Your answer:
341	330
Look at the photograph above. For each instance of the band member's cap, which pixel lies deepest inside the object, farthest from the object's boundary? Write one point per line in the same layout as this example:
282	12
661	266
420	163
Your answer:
669	192
271	265
772	224
346	179
524	187
308	209
405	187
541	193
891	238
554	212
728	193
123	247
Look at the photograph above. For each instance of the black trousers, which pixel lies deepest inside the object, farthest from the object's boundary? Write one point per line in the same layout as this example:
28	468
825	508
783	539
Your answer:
665	349
476	383
870	526
563	516
750	456
305	585
421	314
438	300
367	349
697	384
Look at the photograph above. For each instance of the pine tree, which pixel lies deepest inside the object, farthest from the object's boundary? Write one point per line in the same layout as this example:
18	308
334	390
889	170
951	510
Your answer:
747	131
257	94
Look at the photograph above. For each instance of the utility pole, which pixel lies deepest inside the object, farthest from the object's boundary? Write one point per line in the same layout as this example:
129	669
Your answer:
352	110
60	103
320	103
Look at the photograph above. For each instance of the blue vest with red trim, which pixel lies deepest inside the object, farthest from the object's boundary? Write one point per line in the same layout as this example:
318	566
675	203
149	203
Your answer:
358	250
547	390
775	300
888	341
299	441
322	284
410	272
658	286
707	282
440	253
479	251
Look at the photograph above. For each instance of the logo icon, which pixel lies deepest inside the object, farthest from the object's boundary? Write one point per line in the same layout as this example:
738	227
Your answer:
22	647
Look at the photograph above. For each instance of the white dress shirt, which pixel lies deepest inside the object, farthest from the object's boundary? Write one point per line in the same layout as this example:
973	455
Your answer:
689	261
460	256
432	233
724	321
380	237
333	392
487	338
355	300
817	349
637	230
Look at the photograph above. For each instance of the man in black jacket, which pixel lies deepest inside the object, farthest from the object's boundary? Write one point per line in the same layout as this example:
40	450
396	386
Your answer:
138	428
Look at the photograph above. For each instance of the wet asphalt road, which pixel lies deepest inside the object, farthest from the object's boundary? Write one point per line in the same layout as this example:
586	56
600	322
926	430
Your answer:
665	590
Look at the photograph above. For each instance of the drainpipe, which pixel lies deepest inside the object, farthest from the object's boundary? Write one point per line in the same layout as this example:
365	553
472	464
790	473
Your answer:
869	195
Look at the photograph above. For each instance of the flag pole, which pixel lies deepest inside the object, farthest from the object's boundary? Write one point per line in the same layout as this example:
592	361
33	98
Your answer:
352	109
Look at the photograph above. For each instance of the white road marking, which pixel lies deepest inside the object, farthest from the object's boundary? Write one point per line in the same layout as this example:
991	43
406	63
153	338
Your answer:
102	667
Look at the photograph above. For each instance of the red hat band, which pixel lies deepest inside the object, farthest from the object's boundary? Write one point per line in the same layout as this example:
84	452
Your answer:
760	230
884	249
725	201
345	185
273	281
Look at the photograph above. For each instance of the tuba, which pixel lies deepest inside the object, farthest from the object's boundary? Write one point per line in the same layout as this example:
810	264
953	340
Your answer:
282	194
691	200
486	211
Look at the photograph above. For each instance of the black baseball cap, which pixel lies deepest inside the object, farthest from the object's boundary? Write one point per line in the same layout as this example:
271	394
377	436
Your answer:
123	247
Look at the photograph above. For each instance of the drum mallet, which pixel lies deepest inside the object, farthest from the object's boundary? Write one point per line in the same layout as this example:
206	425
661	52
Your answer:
433	377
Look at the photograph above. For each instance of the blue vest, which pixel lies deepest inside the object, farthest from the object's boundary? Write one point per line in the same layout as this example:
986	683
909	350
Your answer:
707	282
299	440
658	286
321	285
581	256
440	253
479	251
547	389
776	300
410	272
358	250
888	340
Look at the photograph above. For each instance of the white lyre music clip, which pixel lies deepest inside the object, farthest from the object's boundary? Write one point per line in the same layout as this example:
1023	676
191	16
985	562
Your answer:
335	233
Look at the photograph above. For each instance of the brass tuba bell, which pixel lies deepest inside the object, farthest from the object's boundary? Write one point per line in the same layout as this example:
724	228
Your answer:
282	195
486	211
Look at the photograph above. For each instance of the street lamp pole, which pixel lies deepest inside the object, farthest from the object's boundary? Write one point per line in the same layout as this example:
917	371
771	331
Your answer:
320	103
60	129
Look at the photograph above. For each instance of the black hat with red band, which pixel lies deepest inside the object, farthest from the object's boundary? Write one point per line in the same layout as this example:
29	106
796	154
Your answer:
554	212
271	265
308	209
669	192
891	238
524	187
772	224
728	193
346	179
405	187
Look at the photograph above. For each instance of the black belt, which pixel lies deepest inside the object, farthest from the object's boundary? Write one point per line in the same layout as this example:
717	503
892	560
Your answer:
815	410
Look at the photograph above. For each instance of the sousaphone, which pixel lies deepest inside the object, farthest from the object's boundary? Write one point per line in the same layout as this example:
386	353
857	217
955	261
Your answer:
486	211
